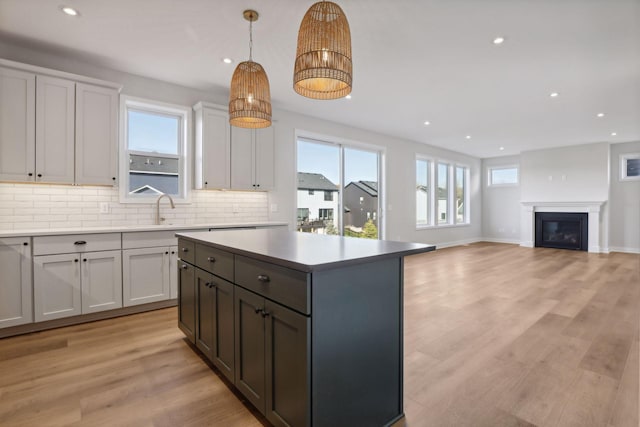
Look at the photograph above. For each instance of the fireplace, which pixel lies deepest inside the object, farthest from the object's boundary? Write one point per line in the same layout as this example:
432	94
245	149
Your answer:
562	230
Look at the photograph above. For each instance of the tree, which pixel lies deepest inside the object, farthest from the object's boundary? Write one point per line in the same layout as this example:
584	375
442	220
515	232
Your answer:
370	231
331	229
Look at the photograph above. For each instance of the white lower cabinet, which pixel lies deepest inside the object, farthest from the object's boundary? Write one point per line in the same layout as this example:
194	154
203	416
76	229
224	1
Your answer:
76	283
147	275
16	294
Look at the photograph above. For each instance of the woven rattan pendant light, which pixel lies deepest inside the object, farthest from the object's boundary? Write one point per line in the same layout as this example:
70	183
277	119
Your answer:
249	96
323	68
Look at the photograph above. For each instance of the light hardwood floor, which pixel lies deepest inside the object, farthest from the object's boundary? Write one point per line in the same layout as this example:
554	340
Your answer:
495	335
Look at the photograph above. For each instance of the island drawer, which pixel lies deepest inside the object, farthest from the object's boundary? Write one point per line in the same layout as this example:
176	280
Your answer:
283	285
187	250
70	243
215	261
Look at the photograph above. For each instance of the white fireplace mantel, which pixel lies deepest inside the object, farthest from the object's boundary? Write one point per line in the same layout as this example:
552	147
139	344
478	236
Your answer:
528	220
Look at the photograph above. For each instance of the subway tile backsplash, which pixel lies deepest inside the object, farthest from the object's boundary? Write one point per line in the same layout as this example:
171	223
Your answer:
40	206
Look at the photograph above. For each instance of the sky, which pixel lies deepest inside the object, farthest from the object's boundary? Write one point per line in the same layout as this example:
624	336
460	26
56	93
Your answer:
325	159
153	132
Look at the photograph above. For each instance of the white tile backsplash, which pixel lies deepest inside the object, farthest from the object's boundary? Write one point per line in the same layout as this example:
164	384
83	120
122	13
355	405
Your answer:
40	206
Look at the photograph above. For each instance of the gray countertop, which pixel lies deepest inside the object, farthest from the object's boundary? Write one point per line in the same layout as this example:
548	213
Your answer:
305	251
134	228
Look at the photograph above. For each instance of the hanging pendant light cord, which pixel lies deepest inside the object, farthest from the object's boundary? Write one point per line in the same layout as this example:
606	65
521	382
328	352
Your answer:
250	40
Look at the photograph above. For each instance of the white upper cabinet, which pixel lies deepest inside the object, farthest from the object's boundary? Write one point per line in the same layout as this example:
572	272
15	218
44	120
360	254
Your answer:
212	147
96	135
17	125
55	138
57	127
252	159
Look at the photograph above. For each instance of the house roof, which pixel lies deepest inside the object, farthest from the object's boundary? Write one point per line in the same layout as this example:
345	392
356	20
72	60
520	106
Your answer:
369	187
315	181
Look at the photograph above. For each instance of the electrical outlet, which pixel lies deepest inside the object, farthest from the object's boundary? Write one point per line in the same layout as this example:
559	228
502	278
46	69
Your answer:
104	207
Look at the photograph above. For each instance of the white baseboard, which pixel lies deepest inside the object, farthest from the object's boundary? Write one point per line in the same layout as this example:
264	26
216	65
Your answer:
457	243
494	240
623	249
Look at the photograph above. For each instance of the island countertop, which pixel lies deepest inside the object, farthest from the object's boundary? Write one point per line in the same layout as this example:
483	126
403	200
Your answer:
304	251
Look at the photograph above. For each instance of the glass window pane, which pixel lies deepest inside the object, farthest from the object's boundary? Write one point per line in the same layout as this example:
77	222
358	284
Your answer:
422	192
360	193
152	175
318	176
443	193
460	194
503	176
153	132
633	167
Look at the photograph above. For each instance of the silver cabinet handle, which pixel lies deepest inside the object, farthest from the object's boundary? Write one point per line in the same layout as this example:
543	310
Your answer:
263	278
211	259
184	266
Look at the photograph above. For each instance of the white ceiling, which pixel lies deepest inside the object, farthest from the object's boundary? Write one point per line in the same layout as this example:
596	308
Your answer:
414	60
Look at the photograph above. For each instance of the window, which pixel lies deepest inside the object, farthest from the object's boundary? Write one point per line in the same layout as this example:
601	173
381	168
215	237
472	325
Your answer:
503	175
630	167
449	203
153	147
461	195
325	214
303	214
443	193
423	211
348	177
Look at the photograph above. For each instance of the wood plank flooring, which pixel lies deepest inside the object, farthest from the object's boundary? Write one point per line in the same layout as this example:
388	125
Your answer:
495	335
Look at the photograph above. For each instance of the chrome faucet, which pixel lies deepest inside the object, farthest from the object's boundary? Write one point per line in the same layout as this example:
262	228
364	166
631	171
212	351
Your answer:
173	206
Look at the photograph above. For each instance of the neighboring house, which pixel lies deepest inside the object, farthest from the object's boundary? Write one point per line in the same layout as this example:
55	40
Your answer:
360	203
317	202
422	194
153	175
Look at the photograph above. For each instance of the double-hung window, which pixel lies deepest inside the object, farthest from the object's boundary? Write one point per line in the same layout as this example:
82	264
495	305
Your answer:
153	150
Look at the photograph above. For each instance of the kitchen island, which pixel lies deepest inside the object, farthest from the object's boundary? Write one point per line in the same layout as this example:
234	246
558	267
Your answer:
307	327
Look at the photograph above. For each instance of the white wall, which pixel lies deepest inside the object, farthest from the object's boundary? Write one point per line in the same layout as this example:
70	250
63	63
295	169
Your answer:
624	204
399	192
567	174
500	205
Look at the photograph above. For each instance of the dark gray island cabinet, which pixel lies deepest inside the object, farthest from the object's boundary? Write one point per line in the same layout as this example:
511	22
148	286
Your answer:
307	327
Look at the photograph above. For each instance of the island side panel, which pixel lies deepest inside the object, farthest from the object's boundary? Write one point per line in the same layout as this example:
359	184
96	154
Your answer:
357	344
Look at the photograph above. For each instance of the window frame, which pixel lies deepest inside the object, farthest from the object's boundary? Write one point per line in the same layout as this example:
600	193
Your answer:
184	143
503	167
623	166
432	200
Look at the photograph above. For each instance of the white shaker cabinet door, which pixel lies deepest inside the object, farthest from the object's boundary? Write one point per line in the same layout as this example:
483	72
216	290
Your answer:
145	275
17	125
242	162
56	286
264	158
55	130
15	282
212	149
96	135
101	274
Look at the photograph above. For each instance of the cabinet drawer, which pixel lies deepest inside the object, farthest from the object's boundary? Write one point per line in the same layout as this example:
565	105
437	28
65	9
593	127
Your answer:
215	261
187	251
284	285
44	245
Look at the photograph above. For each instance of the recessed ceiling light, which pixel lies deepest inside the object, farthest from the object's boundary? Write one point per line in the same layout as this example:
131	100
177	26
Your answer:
69	11
554	94
613	134
498	40
468	137
427	123
348	97
227	60
600	114
501	148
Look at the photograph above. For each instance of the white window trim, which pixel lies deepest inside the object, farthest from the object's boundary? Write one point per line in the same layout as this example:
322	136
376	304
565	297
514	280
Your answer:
184	150
431	216
433	178
497	167
623	166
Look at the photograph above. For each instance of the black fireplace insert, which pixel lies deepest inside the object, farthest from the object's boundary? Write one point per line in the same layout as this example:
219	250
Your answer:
562	230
